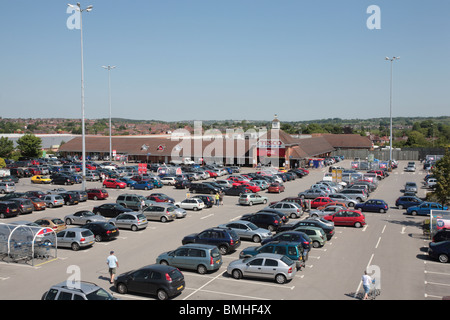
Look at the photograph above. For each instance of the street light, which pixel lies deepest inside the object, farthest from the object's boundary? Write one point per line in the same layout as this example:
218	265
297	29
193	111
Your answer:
390	112
109	68
83	153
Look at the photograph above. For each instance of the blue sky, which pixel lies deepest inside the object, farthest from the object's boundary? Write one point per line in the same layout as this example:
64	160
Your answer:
226	59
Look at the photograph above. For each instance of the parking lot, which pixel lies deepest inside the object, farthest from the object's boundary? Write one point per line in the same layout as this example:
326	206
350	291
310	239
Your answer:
391	242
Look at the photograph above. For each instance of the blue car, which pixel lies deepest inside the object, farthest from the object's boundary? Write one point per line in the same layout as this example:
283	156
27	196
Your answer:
405	202
128	181
143	185
292	236
156	182
425	208
372	205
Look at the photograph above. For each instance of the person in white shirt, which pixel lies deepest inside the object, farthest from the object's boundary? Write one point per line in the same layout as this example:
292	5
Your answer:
366	281
113	264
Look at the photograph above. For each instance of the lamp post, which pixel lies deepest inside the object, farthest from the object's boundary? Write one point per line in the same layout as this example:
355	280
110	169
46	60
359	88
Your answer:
109	68
390	112
78	8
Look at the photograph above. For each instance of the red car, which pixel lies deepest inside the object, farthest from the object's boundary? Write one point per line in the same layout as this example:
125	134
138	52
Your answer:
320	201
212	174
275	188
113	183
347	218
251	186
95	194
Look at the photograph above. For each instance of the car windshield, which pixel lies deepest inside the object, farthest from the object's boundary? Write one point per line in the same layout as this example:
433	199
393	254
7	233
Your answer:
140	216
100	294
89	214
252	226
287	260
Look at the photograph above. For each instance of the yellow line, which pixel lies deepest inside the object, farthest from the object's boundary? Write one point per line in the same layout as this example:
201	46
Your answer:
40	264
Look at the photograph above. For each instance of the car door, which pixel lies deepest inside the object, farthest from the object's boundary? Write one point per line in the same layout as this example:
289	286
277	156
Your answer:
150	213
179	258
270	267
140	281
340	218
60	238
253	268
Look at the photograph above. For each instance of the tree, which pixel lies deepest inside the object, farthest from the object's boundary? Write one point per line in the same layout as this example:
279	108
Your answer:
29	146
442	173
6	147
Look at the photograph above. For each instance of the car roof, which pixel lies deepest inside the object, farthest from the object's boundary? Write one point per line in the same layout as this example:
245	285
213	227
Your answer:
269	255
198	245
83	286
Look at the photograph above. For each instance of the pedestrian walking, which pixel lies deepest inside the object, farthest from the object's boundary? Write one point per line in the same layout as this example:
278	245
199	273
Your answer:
221	198
366	281
217	198
113	264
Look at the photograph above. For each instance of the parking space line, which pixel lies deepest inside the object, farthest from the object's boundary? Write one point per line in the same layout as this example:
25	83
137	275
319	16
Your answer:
231	294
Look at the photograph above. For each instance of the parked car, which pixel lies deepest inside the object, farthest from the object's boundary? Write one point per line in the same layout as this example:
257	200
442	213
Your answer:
82	217
38	203
160	212
41	179
80	290
343	198
251	199
405	202
160	197
203	188
190	204
133	201
425	208
316	234
142	185
312	194
207	199
355	194
226	240
63	179
7	187
24	204
110	210
291	236
114	183
237	190
293	250
347	218
441	235
130	220
320	201
373	205
50	222
291	209
325	211
439	250
97	194
75	238
160	280
265	266
69	199
410	187
53	200
102	230
265	220
8	209
181	184
326	226
193	256
170	181
276	188
247	230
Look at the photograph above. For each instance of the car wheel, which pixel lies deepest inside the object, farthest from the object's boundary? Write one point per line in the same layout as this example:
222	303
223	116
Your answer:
265	201
250	203
382	211
358	225
237	274
195	208
68	221
414	213
117	187
293	215
256	238
134	227
50	205
95	198
280	278
271	228
98	238
2	216
162	295
316	244
202	269
400	206
122	288
351	204
163	219
164	263
75	246
443	258
223	249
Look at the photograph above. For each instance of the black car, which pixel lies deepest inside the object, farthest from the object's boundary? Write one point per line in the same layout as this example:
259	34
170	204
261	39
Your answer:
237	190
182	184
265	220
102	230
110	210
291	236
441	235
312	222
69	199
203	188
283	216
439	250
8	209
160	280
226	240
63	179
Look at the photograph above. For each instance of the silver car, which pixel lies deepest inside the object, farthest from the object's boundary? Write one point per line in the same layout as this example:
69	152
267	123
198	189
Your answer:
7	187
83	217
292	209
339	197
312	194
160	212
355	194
326	211
75	238
265	266
130	220
247	230
53	200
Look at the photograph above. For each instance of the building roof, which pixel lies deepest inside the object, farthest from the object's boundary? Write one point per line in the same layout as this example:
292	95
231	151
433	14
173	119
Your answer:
348	141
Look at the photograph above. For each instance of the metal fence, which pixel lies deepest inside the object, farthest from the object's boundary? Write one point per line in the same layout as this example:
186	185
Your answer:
382	155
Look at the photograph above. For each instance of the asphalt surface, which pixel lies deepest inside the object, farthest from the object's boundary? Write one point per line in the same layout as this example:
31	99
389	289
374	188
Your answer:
391	243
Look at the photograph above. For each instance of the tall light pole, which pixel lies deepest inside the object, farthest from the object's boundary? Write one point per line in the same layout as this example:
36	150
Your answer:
390	112
109	68
78	8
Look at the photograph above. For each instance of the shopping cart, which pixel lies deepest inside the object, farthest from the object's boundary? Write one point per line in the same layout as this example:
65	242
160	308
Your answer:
374	290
